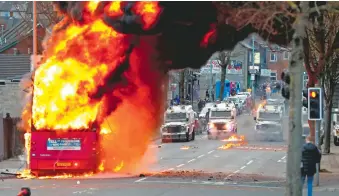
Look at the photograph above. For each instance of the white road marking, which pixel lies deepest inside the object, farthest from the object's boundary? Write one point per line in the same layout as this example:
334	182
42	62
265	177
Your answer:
141	179
236	171
200	156
170	169
180	165
243	167
227	177
210	152
284	157
211	183
251	161
219	183
191	160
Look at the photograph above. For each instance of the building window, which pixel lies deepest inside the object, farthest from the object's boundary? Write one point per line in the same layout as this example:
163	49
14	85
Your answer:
273	57
286	55
273	76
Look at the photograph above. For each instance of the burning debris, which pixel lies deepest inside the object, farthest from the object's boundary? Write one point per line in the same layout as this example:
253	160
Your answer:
233	141
234	138
188	147
185	148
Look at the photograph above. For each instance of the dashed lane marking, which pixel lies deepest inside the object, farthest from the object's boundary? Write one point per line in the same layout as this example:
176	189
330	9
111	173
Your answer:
282	160
200	156
210	152
237	171
141	179
191	160
180	165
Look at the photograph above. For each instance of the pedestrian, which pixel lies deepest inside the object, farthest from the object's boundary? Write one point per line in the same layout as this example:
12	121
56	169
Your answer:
200	105
311	155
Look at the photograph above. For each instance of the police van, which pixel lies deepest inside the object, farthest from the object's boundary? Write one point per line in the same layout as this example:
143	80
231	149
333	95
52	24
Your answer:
222	123
179	123
269	123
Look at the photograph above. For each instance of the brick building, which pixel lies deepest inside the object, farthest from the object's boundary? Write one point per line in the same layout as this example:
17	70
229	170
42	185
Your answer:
277	60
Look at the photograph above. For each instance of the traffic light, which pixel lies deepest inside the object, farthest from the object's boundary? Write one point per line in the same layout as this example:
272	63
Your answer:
285	91
314	104
305	98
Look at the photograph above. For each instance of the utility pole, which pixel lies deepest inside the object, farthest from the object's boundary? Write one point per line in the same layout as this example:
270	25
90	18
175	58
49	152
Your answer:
293	175
211	81
253	74
35	35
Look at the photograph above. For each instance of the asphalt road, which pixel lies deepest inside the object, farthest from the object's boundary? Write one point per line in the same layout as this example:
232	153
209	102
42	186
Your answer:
191	168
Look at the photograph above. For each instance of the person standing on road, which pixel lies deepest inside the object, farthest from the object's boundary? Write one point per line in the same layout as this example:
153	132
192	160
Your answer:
311	155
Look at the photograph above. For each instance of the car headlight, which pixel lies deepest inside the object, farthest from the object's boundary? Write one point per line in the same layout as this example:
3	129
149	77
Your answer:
164	129
183	128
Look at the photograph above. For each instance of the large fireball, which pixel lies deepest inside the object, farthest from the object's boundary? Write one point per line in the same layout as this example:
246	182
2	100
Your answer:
92	75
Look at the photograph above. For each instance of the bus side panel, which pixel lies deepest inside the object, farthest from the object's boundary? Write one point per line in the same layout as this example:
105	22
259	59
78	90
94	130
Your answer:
64	151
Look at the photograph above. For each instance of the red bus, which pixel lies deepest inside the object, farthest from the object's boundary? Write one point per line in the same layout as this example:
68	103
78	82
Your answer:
64	151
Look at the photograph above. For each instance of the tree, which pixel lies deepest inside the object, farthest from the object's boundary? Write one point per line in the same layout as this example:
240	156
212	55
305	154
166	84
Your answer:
46	14
321	62
224	59
47	17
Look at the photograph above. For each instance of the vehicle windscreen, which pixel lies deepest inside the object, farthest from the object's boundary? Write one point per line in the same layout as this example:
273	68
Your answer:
176	117
235	100
269	116
221	114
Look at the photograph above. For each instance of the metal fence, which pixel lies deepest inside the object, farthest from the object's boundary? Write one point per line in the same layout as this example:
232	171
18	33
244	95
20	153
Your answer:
12	139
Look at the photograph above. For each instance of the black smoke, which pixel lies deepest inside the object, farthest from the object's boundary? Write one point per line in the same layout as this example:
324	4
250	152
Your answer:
181	27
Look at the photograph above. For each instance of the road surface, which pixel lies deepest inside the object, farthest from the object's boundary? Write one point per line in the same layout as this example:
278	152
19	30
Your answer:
192	168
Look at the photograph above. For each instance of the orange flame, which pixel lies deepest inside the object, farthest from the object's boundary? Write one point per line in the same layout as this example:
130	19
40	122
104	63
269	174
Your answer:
148	11
185	148
229	145
77	62
234	138
235	141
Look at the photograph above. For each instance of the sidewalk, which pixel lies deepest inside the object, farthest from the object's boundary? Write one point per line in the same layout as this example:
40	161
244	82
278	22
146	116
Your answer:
329	177
11	166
